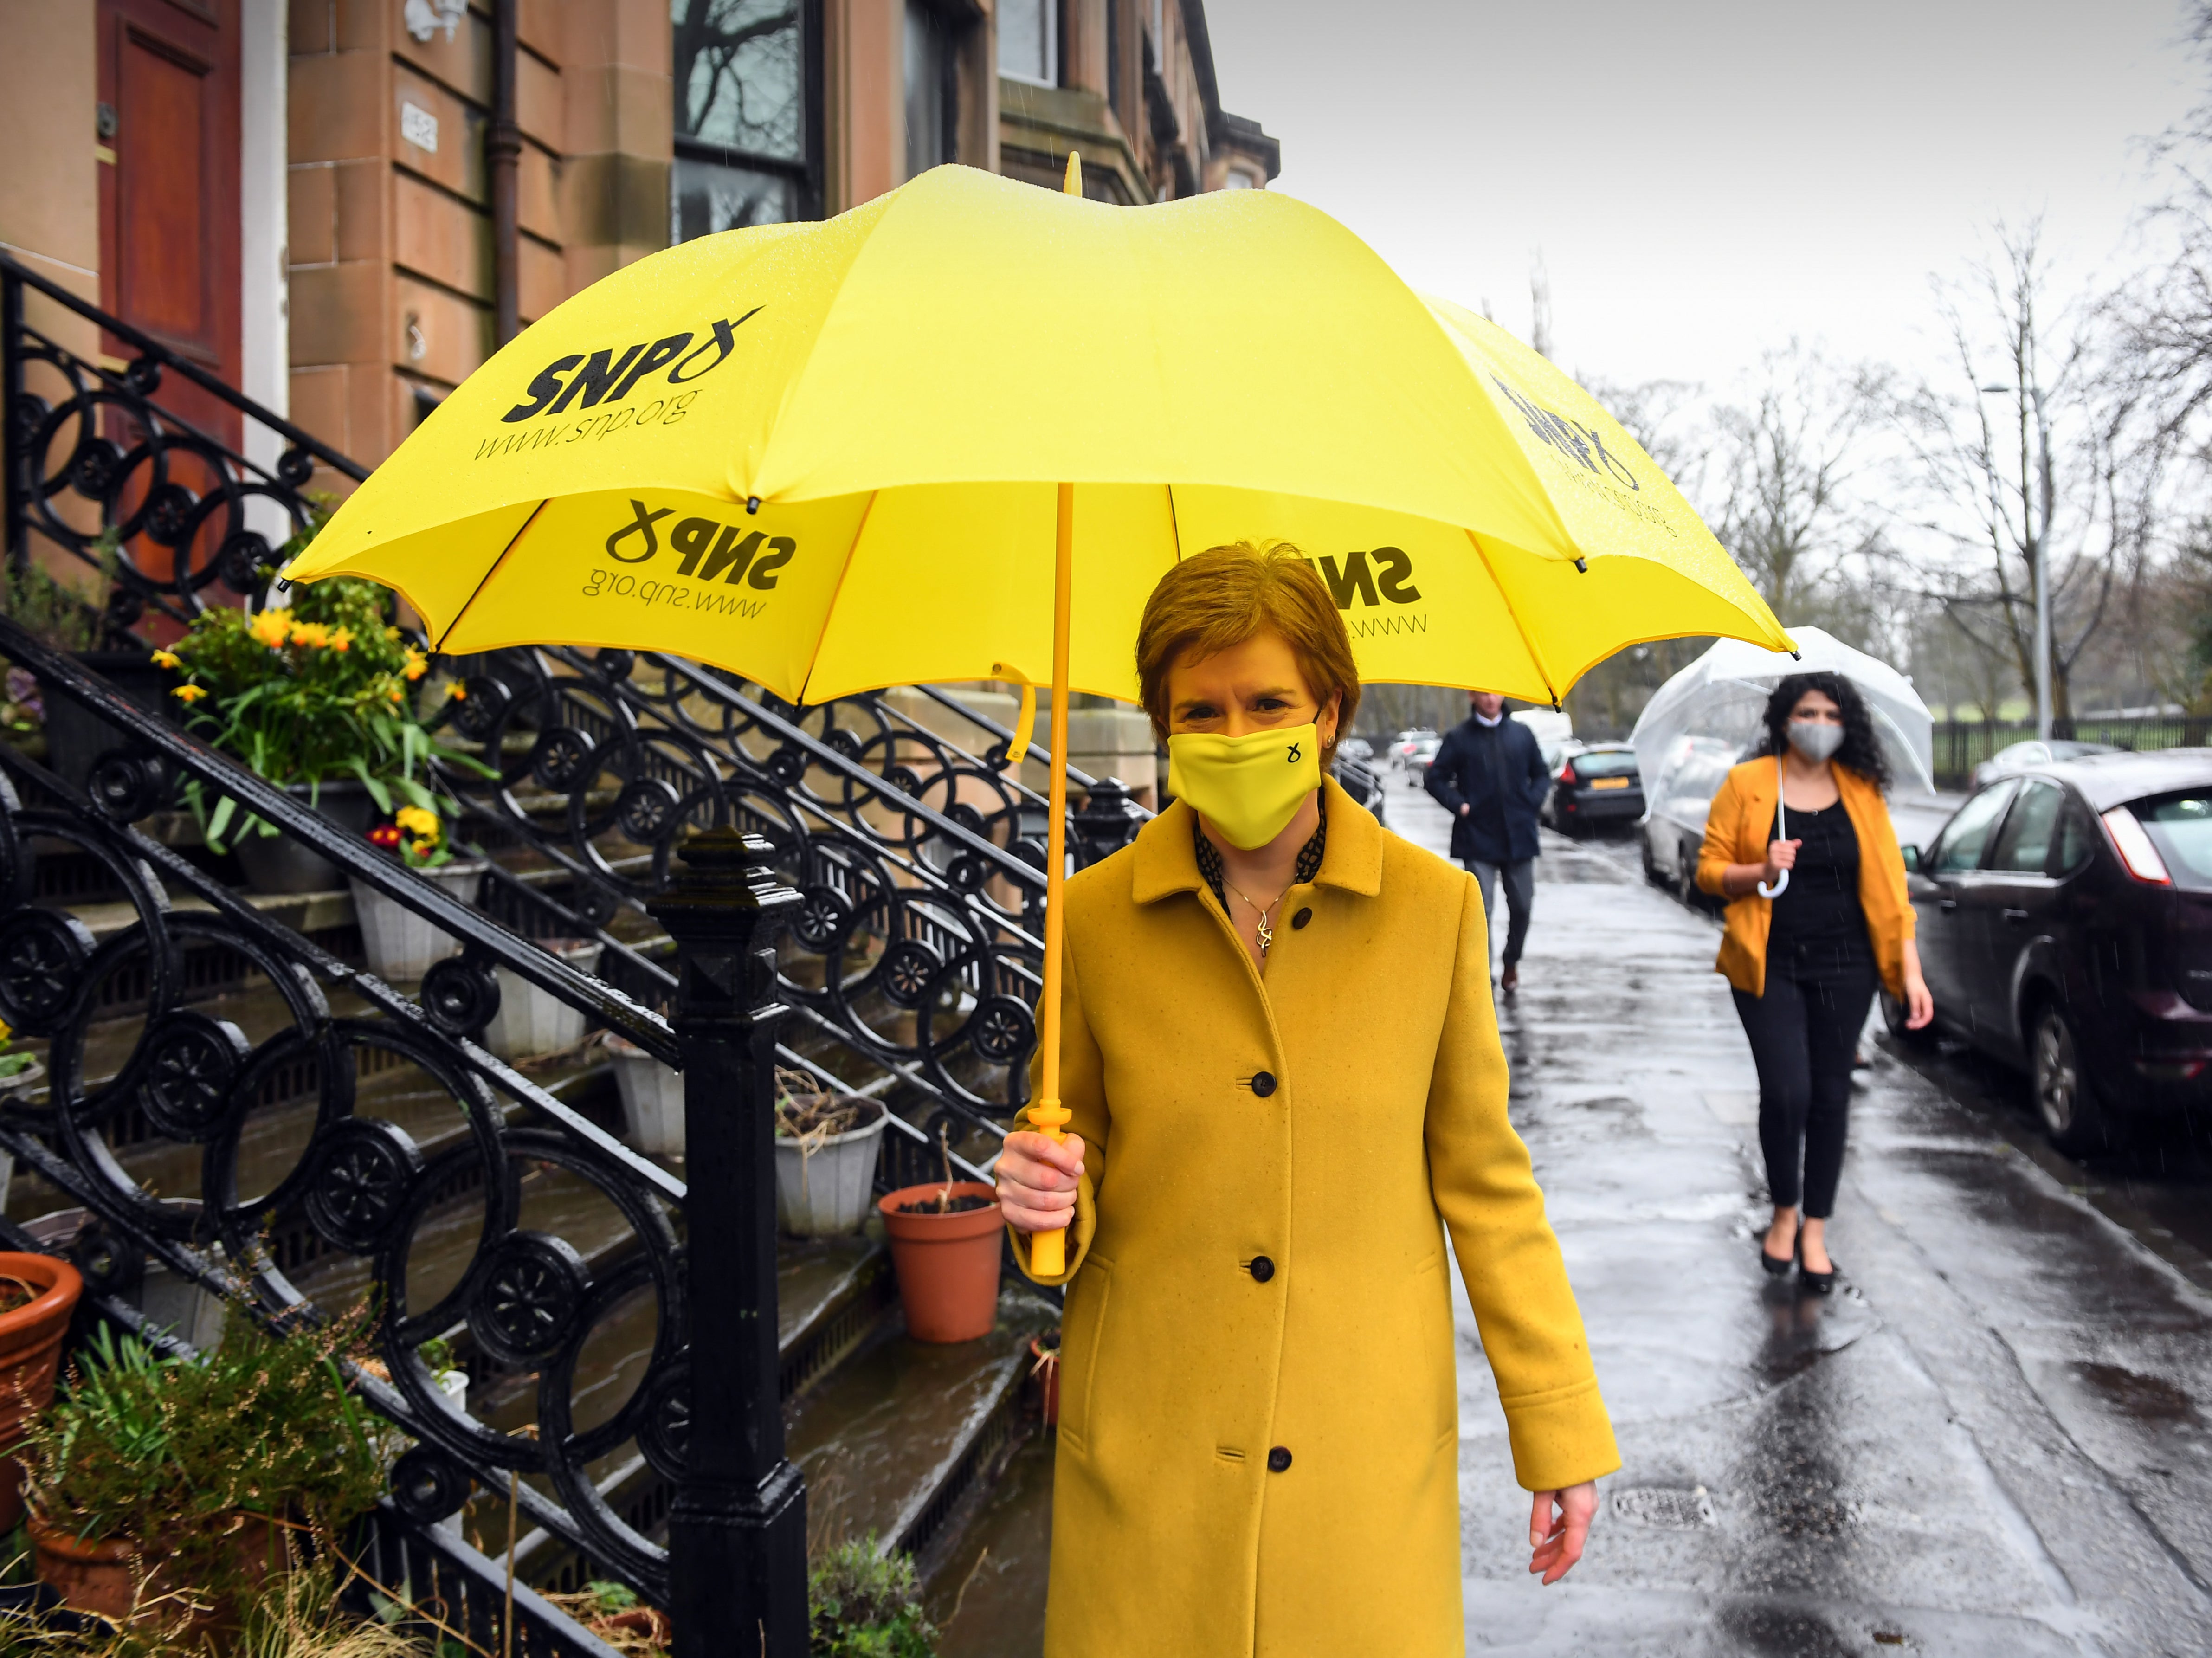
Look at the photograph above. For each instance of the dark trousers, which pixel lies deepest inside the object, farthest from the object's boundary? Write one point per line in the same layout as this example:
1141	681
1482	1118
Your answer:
1803	1032
1519	880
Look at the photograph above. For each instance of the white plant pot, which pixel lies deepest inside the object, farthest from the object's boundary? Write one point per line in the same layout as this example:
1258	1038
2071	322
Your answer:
827	1192
532	1020
652	1100
401	944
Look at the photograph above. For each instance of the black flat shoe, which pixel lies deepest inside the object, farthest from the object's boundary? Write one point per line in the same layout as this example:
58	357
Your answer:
1774	1269
1819	1284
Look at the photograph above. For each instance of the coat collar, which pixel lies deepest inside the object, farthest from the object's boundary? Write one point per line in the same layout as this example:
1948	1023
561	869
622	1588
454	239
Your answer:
1166	863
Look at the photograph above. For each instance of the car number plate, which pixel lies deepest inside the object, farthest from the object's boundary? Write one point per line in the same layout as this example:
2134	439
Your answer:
1608	782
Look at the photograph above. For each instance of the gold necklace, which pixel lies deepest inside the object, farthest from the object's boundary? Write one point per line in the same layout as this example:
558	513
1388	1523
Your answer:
1266	934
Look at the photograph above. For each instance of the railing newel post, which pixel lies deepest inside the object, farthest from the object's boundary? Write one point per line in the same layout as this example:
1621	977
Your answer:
737	1529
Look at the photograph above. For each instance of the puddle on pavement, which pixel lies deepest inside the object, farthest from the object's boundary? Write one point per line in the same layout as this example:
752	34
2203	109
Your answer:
1783	1632
2146	1398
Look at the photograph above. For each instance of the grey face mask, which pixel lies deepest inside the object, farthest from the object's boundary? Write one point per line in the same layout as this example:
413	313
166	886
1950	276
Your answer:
1815	739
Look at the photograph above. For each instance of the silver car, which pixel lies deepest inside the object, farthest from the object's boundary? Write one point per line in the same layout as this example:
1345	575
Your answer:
1673	826
2017	758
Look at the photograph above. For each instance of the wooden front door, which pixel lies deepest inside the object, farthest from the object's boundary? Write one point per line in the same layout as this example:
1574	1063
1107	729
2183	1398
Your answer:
168	77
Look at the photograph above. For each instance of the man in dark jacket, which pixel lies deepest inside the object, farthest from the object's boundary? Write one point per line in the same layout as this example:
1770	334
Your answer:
1489	774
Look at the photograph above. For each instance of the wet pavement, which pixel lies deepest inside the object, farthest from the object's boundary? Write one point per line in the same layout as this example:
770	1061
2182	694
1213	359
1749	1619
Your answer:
1993	1439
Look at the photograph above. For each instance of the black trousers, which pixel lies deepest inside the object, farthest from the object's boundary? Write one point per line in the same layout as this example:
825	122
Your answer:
1803	1032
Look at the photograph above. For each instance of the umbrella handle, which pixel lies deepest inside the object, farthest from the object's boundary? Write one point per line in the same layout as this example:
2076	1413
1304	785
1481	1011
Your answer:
1782	832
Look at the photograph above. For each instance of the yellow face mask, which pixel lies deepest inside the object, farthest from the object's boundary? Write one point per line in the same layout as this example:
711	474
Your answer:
1248	788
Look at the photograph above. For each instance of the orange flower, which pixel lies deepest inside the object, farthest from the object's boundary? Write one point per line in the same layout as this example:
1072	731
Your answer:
417	663
398	696
271	628
164	659
188	693
342	639
457	691
315	634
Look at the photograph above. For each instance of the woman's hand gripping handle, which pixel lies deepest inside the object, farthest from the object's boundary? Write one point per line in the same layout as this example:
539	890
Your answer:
1038	1174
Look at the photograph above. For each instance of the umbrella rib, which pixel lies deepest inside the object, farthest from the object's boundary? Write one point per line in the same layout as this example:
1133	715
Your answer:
1175	523
487	576
829	613
1527	644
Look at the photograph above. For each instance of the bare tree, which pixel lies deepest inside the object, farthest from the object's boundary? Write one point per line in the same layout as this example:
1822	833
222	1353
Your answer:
1980	478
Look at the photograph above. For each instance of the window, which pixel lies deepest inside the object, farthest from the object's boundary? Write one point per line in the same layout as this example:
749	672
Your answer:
2077	840
744	115
2024	847
1968	833
1114	56
1029	41
2180	827
931	95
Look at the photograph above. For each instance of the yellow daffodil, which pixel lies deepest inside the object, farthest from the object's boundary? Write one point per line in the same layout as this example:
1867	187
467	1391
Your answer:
417	663
164	659
457	691
271	628
341	638
392	633
5	1032
314	634
396	694
188	693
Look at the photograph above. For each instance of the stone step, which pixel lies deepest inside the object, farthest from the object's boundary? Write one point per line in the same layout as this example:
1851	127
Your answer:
901	1443
987	1595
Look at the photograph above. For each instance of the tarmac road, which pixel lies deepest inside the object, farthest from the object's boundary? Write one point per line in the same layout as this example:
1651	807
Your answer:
1992	1439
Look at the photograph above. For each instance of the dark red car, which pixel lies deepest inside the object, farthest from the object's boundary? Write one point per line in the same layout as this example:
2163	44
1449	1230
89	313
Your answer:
2065	925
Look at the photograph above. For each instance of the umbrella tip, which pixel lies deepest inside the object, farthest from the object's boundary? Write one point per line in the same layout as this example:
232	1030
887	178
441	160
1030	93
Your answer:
752	504
1794	657
1582	567
1072	185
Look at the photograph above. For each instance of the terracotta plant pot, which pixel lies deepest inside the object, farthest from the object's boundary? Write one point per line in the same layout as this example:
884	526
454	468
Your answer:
947	1265
98	1574
30	1354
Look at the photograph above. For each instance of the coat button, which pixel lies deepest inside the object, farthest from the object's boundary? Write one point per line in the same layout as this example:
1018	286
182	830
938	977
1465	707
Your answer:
1278	1459
1262	1269
1301	919
1263	1083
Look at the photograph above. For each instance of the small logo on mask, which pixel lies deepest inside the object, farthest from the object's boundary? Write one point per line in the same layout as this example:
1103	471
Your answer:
1295	757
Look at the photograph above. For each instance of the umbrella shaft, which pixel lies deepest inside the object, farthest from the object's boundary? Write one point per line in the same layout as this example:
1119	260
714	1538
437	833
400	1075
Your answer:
1047	1249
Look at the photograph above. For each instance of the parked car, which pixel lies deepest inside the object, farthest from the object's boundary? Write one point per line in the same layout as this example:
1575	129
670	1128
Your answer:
1555	731
2017	758
1356	748
1594	788
1419	752
1361	781
2065	927
1673	826
1402	745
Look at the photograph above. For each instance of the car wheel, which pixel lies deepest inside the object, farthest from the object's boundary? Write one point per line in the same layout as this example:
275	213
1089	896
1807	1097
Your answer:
1652	872
1894	1014
2072	1114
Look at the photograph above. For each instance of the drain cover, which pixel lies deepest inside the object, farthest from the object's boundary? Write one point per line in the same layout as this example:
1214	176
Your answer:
1668	1508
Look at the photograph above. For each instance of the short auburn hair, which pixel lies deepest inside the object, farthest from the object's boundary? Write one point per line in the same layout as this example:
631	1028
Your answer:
1223	597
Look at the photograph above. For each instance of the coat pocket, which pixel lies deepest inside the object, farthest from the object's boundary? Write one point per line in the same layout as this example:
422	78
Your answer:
1082	1326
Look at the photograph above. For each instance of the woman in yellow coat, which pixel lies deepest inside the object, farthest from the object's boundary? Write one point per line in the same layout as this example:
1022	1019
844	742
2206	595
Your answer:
1282	1059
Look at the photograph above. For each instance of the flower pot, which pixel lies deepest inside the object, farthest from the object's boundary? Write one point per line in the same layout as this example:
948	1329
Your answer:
947	1265
30	1354
401	944
1044	1374
277	863
101	1575
534	1021
823	1187
652	1099
76	737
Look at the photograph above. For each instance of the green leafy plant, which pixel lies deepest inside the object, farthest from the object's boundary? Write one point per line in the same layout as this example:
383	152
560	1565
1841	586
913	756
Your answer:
325	689
169	1454
861	1604
12	1063
63	617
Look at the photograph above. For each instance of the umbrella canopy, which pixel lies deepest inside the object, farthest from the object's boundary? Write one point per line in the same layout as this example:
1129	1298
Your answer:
1722	695
826	456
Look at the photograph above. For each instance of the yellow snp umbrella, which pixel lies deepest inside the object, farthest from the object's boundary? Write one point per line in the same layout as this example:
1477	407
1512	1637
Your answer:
825	456
831	457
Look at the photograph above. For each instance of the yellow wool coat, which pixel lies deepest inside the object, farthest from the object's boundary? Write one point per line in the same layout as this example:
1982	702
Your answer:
1738	827
1325	1118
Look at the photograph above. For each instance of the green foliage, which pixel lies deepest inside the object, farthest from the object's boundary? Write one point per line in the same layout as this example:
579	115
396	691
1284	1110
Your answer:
169	1453
321	691
864	1605
58	614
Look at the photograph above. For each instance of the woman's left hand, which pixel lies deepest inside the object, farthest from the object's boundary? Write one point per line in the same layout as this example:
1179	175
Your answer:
1556	1543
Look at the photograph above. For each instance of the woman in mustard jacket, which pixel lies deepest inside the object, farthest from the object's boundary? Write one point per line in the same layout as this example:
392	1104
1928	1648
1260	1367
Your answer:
1280	1054
1800	842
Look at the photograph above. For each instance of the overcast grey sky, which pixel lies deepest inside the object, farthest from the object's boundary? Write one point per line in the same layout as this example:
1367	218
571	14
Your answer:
1703	178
